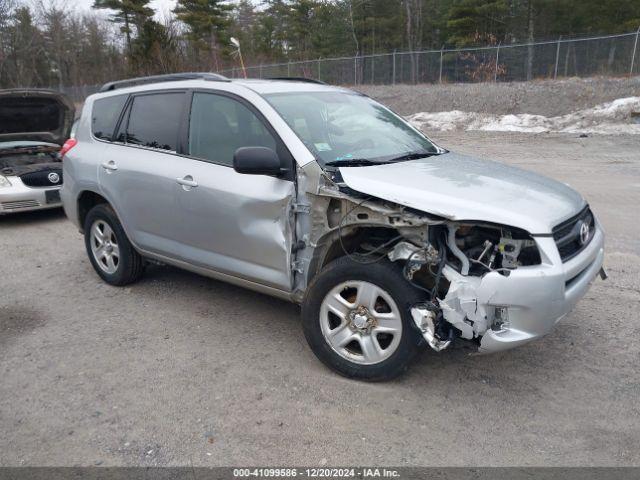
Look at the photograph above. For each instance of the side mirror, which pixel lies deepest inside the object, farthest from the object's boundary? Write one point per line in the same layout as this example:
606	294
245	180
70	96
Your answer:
257	161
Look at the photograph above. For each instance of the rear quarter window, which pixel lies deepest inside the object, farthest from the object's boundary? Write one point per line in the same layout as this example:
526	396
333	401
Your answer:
105	114
154	120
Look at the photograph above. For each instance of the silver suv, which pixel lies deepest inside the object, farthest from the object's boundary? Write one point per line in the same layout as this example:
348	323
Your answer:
322	196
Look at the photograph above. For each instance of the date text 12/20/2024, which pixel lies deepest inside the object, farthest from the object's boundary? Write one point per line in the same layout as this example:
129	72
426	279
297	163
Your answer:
315	473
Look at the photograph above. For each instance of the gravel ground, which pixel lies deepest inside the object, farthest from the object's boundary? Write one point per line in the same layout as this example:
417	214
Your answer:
182	370
542	97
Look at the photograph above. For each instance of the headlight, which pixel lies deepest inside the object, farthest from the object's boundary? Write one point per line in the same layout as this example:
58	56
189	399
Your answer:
4	181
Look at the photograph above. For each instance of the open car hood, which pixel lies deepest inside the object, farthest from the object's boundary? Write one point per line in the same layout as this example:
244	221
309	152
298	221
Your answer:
459	187
35	115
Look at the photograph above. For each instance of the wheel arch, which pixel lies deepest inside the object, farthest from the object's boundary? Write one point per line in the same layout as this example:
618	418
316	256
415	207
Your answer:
337	244
87	199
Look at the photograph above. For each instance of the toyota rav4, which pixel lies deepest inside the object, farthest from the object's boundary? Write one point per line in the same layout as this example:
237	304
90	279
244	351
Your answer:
324	197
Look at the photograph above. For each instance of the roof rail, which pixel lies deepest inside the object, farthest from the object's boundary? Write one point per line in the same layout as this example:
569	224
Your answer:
170	77
297	79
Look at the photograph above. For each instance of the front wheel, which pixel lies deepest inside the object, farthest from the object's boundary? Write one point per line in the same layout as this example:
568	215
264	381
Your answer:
357	321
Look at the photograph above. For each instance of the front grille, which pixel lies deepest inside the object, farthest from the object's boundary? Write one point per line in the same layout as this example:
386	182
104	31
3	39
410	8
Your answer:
574	235
20	204
42	178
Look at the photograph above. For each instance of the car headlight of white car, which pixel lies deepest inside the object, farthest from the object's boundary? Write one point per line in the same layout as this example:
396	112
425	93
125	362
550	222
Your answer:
4	182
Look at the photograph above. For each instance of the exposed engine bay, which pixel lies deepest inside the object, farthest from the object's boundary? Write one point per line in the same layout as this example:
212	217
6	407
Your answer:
20	160
445	259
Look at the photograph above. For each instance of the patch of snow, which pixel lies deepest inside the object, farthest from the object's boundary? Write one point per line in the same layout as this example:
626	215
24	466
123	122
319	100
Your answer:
606	118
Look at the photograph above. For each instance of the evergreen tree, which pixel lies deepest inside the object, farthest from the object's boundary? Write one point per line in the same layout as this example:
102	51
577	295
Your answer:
128	13
207	22
27	66
470	20
57	46
153	49
243	26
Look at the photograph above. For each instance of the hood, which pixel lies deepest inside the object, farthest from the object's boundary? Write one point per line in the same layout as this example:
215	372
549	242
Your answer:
35	115
459	187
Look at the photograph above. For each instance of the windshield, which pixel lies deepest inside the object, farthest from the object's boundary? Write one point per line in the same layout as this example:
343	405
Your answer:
343	127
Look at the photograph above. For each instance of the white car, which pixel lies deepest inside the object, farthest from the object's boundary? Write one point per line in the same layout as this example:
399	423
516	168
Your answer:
34	124
324	197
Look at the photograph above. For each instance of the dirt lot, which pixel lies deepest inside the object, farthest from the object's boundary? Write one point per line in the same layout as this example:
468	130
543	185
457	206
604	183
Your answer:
543	97
179	369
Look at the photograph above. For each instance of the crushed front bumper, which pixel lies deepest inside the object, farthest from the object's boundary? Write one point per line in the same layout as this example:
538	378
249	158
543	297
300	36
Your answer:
20	198
533	299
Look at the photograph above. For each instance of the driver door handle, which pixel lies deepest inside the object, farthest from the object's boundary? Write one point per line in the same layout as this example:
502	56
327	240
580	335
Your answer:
187	182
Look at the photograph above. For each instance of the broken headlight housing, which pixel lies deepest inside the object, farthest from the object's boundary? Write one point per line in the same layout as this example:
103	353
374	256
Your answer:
495	248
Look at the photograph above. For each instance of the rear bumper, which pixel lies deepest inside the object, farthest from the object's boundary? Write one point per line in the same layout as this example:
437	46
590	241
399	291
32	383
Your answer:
20	198
538	297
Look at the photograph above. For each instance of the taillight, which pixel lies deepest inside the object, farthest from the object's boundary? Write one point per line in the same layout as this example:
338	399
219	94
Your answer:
68	145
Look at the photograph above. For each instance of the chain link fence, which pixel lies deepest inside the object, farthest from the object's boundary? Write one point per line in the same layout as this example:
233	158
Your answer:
612	55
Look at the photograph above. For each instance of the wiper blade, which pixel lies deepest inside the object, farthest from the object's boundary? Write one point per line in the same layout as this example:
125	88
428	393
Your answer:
353	162
413	156
364	162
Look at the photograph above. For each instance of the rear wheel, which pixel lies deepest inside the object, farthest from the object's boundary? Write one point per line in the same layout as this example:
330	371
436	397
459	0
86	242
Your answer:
110	252
357	321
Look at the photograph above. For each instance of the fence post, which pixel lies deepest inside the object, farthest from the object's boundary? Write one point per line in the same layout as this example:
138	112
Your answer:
555	72
495	74
441	52
260	70
373	70
319	70
355	70
394	67
635	47
289	68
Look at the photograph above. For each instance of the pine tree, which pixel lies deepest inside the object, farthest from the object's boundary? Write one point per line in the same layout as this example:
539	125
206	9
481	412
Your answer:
153	49
207	22
470	20
127	13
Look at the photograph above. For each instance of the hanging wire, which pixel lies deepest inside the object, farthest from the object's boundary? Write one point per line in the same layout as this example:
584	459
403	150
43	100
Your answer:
358	258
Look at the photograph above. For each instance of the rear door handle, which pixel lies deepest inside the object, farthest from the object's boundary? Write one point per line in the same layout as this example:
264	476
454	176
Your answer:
110	165
187	182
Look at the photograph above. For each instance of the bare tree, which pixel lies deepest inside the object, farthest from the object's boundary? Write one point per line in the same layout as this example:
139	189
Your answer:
530	38
6	9
413	30
353	27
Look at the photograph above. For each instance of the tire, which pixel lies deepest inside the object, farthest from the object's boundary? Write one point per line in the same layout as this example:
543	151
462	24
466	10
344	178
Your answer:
327	331
114	260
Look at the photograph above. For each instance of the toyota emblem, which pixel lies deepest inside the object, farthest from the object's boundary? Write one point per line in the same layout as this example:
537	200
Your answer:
584	233
53	177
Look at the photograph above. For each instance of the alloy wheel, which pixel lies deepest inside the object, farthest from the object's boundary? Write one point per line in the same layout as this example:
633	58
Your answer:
104	246
361	322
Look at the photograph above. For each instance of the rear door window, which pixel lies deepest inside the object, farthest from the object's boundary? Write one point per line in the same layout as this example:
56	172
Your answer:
105	115
219	125
154	120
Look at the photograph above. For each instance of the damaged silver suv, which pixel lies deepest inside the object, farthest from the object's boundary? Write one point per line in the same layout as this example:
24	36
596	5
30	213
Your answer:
322	196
